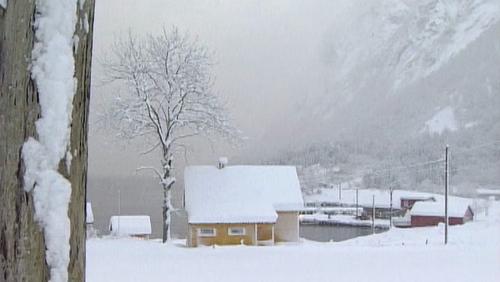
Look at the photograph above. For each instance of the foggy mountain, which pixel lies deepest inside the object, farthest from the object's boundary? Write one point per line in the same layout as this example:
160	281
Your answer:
401	80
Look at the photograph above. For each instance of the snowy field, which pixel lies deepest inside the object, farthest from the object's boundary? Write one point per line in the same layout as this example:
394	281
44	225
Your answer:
473	254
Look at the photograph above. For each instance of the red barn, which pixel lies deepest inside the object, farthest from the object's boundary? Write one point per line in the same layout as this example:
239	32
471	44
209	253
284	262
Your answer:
432	213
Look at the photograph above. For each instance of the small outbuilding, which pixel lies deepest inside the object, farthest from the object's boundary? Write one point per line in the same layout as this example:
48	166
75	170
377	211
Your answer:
89	215
136	226
432	213
89	220
252	205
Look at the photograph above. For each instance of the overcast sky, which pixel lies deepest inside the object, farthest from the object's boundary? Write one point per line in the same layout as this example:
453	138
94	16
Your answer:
270	59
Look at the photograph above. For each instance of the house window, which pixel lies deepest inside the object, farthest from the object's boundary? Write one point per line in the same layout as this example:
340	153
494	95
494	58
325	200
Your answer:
236	231
206	232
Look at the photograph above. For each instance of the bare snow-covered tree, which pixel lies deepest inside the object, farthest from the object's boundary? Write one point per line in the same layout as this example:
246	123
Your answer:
169	98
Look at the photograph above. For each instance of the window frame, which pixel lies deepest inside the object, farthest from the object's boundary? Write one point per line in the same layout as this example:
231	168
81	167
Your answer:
230	231
201	234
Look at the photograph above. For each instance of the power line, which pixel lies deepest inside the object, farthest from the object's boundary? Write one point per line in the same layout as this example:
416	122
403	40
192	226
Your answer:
476	147
421	166
414	165
470	167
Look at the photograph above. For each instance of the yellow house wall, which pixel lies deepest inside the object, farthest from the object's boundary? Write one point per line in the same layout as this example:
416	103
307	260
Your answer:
222	236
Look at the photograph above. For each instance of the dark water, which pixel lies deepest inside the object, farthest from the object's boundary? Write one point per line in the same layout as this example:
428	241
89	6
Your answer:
326	233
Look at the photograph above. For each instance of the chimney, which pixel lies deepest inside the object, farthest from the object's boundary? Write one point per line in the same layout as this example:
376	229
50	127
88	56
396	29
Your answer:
222	162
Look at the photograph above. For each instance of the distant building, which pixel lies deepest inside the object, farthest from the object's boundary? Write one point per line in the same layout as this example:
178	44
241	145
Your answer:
432	213
382	211
490	194
408	201
136	226
252	205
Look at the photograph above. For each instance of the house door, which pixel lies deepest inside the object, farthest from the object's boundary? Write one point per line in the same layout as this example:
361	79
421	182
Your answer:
265	233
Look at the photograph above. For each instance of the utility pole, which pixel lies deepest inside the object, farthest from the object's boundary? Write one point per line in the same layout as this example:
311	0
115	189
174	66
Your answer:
119	201
390	210
446	180
373	214
357	207
119	208
340	191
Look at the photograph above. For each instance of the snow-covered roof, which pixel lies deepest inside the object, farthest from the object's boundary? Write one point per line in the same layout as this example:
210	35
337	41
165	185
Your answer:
125	225
484	191
417	197
240	194
455	208
90	214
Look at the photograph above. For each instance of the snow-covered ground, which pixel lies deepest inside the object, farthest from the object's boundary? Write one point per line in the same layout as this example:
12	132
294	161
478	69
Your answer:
418	254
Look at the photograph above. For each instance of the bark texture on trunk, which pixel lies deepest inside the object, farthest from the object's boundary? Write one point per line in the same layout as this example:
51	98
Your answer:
22	248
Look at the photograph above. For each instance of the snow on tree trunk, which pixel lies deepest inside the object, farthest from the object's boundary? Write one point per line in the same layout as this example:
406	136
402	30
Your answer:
54	150
53	70
167	182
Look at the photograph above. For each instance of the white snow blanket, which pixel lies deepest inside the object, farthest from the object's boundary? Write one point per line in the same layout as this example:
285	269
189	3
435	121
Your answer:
455	208
240	194
409	255
130	225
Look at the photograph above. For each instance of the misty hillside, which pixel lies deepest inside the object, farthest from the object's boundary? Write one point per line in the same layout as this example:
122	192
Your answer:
403	79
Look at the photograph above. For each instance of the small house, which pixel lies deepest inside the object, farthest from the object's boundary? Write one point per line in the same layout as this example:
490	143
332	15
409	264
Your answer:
408	201
89	220
252	205
89	215
136	226
432	213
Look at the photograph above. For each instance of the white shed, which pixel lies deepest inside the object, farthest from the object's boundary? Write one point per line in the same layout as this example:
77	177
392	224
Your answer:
89	219
138	226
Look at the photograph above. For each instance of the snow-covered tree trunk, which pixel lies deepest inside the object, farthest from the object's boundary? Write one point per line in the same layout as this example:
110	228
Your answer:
23	249
167	181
